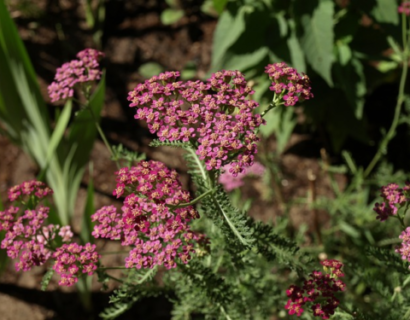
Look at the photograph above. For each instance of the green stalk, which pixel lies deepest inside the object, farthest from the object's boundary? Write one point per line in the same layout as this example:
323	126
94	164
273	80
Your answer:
390	134
210	186
104	138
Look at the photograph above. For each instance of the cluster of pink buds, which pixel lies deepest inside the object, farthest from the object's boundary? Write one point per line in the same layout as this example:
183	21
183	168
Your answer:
404	249
230	182
405	8
154	218
34	188
32	243
318	290
84	69
216	116
288	83
72	260
394	198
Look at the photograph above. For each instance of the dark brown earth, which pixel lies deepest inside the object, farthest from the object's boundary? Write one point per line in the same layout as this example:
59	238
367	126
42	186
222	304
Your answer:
53	31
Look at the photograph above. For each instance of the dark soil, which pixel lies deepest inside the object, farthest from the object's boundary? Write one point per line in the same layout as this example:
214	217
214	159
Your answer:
53	31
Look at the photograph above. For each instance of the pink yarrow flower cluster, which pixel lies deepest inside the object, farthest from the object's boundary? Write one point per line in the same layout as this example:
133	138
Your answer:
84	69
318	291
32	243
404	8
404	249
394	198
154	218
34	188
216	116
288	83
72	260
230	182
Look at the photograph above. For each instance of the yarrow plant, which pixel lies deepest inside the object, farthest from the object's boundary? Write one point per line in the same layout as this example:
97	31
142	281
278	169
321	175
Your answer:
210	259
154	218
33	243
215	116
318	291
81	71
288	84
394	198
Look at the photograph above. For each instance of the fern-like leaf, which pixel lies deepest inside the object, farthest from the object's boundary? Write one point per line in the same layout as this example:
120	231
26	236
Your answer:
46	279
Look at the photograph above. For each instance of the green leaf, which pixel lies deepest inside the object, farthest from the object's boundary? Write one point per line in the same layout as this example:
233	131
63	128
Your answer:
352	80
81	139
46	279
149	69
344	53
296	52
281	121
59	130
89	210
170	16
386	12
230	26
317	40
219	5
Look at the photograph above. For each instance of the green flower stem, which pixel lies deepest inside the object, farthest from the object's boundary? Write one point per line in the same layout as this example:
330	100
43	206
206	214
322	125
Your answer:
183	205
114	278
209	180
390	134
103	137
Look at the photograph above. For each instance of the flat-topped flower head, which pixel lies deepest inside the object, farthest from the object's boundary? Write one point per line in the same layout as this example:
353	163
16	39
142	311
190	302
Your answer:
318	291
216	116
85	69
404	7
150	220
394	198
73	260
26	189
404	249
288	83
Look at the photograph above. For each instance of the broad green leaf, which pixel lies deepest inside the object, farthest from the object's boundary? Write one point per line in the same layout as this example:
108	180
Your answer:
296	52
281	121
344	53
352	80
149	69
317	40
244	61
230	26
386	12
189	71
170	16
219	5
89	210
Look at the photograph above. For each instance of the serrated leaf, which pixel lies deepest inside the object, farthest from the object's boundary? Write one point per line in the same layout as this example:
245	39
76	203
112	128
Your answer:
170	16
317	40
46	279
